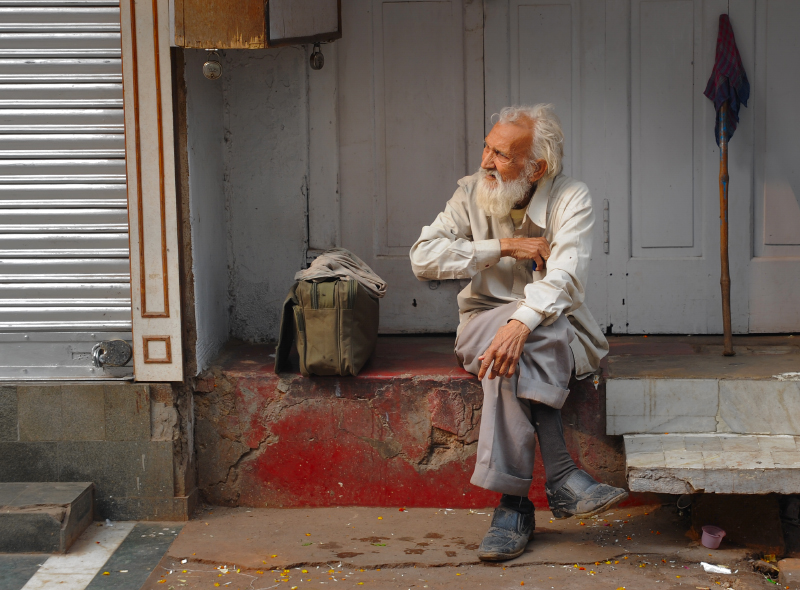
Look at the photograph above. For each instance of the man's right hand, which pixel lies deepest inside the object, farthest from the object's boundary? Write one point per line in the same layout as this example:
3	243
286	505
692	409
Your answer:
536	249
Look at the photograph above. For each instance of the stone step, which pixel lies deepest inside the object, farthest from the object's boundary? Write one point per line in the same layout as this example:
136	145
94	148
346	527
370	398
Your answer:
766	405
43	517
713	463
402	434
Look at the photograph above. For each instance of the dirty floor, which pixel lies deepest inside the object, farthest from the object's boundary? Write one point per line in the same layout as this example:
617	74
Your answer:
391	548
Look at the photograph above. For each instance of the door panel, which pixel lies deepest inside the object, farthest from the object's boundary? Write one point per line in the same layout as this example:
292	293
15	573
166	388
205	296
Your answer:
672	269
410	110
775	280
419	116
663	164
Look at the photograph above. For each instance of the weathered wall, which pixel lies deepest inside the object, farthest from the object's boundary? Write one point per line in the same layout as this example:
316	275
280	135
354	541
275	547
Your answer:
247	142
205	138
134	441
266	167
402	433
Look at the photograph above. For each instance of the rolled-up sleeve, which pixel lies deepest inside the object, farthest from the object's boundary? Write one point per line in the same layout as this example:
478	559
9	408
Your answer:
562	290
445	249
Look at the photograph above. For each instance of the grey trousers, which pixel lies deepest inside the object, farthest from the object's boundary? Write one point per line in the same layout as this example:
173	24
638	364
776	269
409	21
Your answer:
517	408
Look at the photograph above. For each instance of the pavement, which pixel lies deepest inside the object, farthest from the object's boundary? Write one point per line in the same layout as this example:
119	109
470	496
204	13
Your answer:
394	548
106	556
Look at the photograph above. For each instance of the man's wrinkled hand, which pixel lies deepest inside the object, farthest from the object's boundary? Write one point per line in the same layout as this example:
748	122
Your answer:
504	352
536	249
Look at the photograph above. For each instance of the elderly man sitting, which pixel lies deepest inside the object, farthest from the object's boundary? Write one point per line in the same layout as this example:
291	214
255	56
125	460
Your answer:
522	231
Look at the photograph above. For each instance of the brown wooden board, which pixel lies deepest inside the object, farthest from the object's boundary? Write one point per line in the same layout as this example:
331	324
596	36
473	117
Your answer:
220	24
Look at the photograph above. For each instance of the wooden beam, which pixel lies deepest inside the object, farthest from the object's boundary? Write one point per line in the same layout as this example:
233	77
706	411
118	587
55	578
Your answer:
222	24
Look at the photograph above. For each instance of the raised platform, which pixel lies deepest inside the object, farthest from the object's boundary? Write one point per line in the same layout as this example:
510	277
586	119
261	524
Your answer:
684	384
402	433
43	517
695	420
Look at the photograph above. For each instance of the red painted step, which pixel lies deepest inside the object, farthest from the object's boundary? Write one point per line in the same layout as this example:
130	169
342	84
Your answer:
402	433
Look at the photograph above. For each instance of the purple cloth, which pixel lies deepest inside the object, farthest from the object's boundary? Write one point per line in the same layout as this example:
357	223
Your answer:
728	80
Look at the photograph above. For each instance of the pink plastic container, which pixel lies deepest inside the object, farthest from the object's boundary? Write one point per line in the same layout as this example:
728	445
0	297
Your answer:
712	536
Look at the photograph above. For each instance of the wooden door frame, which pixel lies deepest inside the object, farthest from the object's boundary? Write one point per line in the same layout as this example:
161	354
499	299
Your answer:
152	203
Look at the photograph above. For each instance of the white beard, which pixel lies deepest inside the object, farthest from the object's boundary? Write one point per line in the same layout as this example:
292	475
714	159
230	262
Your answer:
498	199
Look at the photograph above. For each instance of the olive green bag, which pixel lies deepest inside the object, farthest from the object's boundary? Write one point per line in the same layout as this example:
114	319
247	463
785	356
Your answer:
335	324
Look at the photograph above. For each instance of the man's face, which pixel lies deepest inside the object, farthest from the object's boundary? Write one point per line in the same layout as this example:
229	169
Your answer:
506	176
507	150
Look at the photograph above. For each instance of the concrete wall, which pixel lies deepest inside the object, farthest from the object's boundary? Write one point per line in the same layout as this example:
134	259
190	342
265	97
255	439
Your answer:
134	441
266	164
248	179
207	207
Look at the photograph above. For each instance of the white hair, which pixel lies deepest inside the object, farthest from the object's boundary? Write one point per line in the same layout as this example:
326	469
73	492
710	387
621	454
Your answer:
548	138
498	199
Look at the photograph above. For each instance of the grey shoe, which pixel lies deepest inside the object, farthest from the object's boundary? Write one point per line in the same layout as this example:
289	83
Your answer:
508	535
582	496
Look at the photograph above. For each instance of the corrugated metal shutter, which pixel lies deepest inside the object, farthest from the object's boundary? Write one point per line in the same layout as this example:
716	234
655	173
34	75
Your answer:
64	254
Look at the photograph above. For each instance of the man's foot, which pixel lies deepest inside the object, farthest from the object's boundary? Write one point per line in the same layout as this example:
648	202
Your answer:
582	496
508	535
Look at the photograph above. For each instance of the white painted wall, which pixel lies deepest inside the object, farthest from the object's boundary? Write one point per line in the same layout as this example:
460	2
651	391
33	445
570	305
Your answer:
265	106
248	178
207	207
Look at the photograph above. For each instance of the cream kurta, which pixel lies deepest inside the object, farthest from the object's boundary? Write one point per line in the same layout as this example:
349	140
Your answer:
464	243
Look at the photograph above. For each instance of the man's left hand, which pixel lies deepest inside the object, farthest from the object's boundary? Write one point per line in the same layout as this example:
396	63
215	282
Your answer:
504	352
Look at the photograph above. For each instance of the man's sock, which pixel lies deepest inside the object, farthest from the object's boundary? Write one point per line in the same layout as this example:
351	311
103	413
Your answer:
558	465
518	503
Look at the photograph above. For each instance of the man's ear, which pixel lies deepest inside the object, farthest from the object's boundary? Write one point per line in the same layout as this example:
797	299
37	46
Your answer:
541	170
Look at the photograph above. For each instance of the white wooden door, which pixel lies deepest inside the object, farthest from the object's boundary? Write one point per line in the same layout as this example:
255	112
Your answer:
775	269
410	110
669	255
627	78
671	265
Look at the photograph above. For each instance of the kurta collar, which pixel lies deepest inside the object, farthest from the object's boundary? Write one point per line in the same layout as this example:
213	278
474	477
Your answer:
537	208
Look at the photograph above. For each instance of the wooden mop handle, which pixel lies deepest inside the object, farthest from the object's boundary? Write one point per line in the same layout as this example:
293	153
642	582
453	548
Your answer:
725	278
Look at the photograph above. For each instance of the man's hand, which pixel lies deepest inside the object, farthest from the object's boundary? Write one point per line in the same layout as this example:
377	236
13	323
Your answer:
505	350
536	249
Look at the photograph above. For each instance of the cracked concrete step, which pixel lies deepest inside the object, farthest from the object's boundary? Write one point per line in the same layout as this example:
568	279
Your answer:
43	517
713	463
657	405
403	433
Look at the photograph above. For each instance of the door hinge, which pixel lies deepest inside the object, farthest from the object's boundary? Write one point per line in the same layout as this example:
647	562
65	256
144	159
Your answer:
605	226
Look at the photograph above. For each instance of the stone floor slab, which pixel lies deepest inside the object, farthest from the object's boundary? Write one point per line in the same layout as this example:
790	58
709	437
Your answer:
18	569
745	464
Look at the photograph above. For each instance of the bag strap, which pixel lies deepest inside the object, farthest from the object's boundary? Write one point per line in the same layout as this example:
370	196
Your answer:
286	334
